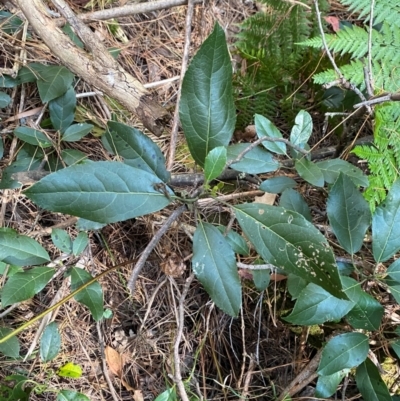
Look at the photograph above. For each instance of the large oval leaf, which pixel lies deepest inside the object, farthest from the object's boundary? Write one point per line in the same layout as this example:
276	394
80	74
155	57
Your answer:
302	129
288	241
265	128
104	192
310	172
206	109
10	347
348	213
344	351
50	342
62	110
332	168
214	264
24	285
91	296
20	250
292	200
136	148
385	226
32	136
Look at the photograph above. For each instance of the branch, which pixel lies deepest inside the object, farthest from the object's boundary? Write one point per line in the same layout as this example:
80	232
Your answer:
97	67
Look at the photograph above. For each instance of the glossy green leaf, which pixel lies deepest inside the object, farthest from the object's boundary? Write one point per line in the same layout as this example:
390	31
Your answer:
8	82
344	351
236	241
167	395
136	148
10	347
394	290
30	73
20	250
32	136
61	240
1	148
316	306
265	128
292	200
256	161
62	110
69	395
327	385
207	111
91	296
261	279
70	370
295	285
24	285
215	163
367	313
370	383
10	23
21	388
277	185
310	172
394	270
396	347
104	192
76	132
332	168
72	156
86	225
80	243
5	100
50	343
53	82
214	265
349	214
302	129
385	223
288	241
72	35
23	164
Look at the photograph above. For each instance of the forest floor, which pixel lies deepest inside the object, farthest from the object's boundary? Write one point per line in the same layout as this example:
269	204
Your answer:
254	356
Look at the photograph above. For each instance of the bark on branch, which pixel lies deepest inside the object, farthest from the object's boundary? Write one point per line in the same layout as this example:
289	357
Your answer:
96	66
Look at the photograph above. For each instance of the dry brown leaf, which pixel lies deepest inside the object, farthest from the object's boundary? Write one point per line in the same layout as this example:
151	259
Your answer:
138	395
114	361
266	199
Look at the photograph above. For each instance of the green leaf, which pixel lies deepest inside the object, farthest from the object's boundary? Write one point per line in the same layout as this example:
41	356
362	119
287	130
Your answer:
104	192
396	347
265	128
349	214
24	285
76	132
344	351
136	148
261	279
54	81
327	385
62	110
288	241
236	241
50	342
10	23
332	168
1	148
61	240
69	395
295	285
70	370
215	163
72	156
80	243
385	223
316	306
277	185
214	264
10	347
167	395
91	296
302	129
370	383
8	82
366	314
5	100
72	35
254	162
20	250
207	111
86	225
310	172
394	270
395	291
292	200
32	136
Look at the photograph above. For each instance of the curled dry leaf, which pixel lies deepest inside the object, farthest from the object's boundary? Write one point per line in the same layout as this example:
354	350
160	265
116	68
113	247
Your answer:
114	360
266	199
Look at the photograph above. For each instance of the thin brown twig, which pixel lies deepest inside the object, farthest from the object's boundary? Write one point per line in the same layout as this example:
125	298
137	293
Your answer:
177	360
185	60
146	253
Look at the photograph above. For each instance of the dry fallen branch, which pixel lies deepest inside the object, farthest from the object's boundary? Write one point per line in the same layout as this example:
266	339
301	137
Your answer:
96	66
